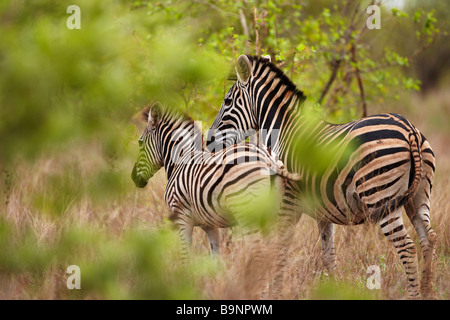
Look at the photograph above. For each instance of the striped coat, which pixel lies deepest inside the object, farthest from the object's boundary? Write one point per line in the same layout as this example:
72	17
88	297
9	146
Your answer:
373	166
210	190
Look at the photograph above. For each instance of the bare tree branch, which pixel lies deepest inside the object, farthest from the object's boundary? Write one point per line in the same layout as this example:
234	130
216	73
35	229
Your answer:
335	67
336	62
255	17
245	30
243	23
360	83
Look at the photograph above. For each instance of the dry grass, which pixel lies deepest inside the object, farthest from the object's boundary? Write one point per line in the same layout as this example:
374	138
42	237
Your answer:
356	247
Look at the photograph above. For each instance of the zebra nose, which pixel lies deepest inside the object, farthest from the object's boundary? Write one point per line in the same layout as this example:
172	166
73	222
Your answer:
138	181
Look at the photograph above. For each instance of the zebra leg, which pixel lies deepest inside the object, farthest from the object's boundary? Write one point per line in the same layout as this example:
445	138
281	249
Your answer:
286	229
185	227
254	269
213	235
326	230
289	215
394	230
418	212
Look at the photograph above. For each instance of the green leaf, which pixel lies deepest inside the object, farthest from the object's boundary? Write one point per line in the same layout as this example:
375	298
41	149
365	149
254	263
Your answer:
300	47
417	16
398	13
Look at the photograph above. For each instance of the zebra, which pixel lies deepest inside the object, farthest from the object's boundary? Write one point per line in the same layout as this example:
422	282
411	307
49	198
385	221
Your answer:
390	166
210	190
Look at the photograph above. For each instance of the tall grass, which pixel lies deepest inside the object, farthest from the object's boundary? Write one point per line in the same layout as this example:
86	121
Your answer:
127	249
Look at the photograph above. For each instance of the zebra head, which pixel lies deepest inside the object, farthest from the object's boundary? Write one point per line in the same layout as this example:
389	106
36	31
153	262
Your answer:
257	101
236	118
150	159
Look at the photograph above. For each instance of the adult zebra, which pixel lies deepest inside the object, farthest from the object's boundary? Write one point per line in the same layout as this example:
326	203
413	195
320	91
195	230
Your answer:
210	190
392	164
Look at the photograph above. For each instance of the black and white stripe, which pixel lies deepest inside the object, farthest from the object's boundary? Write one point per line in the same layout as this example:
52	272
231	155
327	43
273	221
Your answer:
390	163
210	190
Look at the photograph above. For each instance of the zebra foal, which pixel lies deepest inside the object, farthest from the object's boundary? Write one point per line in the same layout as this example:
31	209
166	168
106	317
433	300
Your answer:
390	165
210	190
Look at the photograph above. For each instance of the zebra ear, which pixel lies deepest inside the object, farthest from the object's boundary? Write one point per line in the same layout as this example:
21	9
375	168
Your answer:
154	114
267	58
145	114
243	68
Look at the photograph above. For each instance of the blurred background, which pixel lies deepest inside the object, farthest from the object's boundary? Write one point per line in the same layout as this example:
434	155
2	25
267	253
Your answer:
69	122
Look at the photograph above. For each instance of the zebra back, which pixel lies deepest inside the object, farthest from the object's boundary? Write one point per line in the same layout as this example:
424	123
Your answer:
264	99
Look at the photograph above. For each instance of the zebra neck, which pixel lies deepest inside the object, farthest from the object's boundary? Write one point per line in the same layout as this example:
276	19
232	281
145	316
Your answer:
183	143
274	121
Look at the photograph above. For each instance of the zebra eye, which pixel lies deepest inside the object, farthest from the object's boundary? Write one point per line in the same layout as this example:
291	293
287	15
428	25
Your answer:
140	141
228	102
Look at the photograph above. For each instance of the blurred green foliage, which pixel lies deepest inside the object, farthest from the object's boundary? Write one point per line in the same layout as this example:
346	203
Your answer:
64	91
59	85
340	290
432	65
138	265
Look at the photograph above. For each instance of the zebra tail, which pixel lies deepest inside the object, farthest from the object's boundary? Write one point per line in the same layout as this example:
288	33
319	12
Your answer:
385	209
283	172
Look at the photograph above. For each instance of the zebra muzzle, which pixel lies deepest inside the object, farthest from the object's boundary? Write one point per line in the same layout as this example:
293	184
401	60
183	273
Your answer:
137	179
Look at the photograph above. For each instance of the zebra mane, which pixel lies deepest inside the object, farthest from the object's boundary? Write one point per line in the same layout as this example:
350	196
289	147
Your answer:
173	115
169	114
257	60
279	74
